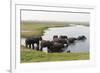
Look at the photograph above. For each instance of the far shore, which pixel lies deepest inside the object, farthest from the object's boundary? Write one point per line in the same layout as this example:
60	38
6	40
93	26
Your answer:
37	28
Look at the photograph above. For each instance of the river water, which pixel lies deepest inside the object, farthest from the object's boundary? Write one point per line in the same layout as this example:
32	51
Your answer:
71	31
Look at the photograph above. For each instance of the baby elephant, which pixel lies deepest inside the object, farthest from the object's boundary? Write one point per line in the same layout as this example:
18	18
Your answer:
81	37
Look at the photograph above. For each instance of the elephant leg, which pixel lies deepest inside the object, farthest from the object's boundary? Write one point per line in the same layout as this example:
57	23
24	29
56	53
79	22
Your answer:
26	45
29	45
48	50
67	45
37	48
32	46
41	49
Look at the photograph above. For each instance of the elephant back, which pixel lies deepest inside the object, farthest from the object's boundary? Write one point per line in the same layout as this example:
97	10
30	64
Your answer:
63	37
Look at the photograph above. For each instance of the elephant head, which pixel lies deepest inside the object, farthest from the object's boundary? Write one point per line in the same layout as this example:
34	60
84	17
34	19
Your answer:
55	37
63	37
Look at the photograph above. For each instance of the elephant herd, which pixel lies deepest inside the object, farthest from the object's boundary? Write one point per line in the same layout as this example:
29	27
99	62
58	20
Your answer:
55	45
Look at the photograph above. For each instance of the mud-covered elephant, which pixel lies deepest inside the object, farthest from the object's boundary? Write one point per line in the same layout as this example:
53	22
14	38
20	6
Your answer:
32	41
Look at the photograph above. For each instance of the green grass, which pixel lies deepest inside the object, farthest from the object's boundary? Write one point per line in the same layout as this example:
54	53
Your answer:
36	29
28	55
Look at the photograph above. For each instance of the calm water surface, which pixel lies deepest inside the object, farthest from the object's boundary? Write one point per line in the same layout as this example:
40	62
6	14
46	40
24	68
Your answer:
72	31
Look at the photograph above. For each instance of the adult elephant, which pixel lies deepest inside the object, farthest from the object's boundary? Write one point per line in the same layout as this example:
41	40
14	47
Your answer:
32	41
52	46
63	37
45	43
61	40
56	47
55	37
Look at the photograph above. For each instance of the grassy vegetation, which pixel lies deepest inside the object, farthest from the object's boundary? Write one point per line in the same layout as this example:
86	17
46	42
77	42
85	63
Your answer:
28	55
37	29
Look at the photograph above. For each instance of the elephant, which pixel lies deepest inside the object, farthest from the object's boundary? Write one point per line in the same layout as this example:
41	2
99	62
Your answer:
56	47
63	37
81	37
45	43
52	46
32	41
55	37
71	40
63	41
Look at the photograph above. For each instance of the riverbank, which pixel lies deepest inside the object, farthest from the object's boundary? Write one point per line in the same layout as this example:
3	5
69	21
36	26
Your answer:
28	56
37	29
29	29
